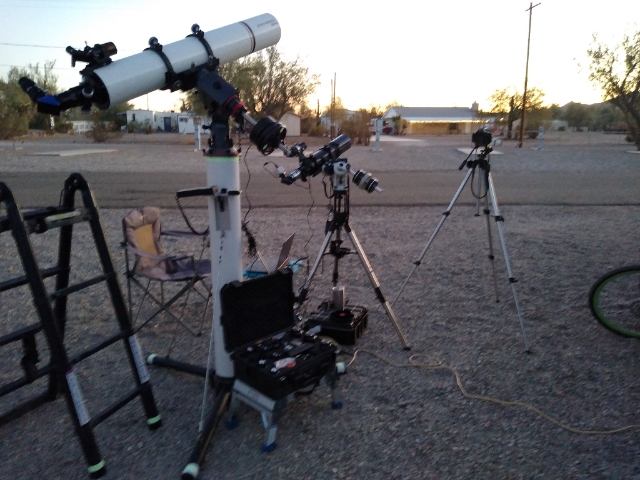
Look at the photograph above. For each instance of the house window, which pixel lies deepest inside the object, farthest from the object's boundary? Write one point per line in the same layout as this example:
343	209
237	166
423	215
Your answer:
133	117
453	126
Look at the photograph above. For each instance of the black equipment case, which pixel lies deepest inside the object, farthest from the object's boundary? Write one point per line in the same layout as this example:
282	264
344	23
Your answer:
344	326
269	354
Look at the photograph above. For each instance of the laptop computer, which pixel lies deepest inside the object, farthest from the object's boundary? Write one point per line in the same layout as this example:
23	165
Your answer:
264	265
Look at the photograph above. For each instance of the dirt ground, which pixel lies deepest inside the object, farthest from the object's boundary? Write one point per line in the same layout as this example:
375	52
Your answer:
571	212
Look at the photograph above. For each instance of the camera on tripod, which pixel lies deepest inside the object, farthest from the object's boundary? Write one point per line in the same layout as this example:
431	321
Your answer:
482	137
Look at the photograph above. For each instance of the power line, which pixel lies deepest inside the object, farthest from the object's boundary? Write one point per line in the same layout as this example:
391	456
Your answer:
27	45
64	5
53	46
25	66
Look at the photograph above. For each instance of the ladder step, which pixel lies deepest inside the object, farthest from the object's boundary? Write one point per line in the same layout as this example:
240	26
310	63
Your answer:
21	382
97	347
107	412
25	407
20	334
22	280
79	286
41	220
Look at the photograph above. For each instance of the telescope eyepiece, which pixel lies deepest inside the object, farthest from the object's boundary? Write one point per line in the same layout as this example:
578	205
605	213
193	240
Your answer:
109	49
30	88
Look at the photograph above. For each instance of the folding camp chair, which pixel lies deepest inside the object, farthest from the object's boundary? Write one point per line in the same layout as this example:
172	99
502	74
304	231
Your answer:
148	265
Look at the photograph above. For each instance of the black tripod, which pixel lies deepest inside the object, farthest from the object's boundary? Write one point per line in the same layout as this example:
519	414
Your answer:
340	221
482	162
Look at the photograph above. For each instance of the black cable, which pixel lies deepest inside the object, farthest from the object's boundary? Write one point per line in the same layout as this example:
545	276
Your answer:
486	174
246	187
252	244
324	185
186	220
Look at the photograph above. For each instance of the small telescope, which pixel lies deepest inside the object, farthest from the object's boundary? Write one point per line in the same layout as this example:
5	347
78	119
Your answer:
175	66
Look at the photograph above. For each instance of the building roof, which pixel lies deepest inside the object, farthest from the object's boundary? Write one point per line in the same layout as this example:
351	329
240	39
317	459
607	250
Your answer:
433	114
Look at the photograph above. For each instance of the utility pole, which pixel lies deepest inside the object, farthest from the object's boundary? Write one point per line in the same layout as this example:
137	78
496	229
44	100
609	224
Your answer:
526	78
332	133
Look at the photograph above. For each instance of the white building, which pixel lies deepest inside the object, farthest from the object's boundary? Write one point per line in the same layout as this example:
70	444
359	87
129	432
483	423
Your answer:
434	120
158	121
81	126
165	122
325	119
292	122
140	116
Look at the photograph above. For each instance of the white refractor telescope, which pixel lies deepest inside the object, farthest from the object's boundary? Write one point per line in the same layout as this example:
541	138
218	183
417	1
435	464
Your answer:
106	83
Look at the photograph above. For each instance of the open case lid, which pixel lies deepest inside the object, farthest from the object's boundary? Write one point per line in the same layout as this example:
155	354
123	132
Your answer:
257	309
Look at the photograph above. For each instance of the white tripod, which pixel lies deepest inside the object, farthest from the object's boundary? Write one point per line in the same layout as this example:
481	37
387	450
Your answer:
482	162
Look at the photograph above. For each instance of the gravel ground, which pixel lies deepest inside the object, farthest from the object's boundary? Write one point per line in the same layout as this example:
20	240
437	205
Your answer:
397	422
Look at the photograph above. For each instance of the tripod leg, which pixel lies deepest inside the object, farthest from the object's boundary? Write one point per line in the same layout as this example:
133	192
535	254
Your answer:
376	285
499	219
480	177
491	255
220	405
416	264
304	289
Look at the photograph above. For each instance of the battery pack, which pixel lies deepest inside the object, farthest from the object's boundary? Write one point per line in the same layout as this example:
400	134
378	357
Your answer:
344	326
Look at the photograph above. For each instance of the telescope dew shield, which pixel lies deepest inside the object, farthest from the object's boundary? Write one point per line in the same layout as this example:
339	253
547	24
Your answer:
144	72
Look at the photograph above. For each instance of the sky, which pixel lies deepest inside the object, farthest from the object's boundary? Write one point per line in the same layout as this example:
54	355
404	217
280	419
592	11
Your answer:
413	53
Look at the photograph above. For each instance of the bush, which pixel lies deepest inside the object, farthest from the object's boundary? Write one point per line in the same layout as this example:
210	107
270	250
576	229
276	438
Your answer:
317	131
349	128
104	132
62	127
139	127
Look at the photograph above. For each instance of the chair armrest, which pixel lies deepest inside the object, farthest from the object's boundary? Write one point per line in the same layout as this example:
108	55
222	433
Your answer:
146	254
183	234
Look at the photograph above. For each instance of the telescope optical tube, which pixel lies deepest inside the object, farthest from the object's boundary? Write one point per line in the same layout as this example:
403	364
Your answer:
144	72
122	80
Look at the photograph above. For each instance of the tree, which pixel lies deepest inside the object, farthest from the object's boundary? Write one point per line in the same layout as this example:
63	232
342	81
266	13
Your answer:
267	84
307	118
616	71
337	112
556	111
399	124
578	115
508	101
45	79
607	117
16	110
107	124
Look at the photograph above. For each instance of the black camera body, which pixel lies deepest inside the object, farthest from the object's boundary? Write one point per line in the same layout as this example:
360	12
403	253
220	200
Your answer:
482	137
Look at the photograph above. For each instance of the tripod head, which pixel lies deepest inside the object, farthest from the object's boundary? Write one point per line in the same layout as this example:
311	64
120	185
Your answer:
481	159
481	138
